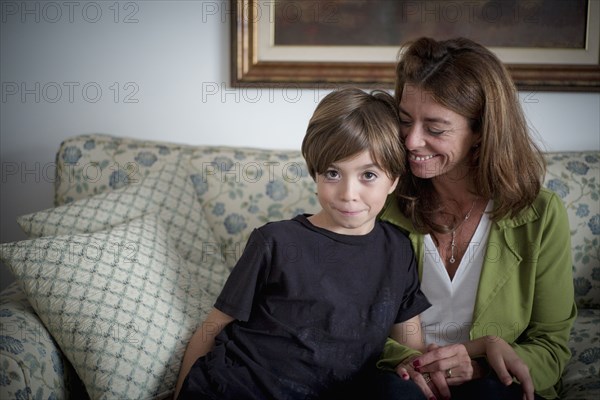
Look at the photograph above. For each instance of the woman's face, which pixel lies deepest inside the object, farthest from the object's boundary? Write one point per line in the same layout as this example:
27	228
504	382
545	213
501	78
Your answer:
438	140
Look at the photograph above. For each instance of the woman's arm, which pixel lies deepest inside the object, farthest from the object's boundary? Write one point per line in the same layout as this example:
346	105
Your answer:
201	342
543	345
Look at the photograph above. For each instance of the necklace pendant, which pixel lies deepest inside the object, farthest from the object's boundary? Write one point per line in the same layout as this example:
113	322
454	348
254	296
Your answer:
452	246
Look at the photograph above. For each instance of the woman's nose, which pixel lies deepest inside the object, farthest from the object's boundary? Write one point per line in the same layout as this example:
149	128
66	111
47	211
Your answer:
413	137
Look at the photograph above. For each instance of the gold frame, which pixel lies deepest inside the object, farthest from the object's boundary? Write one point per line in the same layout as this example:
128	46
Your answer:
247	70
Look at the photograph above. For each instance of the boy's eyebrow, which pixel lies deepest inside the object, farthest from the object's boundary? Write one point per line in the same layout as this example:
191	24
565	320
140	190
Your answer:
366	166
372	165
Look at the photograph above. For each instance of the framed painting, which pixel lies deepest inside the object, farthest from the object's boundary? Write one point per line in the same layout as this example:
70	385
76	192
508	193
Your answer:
550	45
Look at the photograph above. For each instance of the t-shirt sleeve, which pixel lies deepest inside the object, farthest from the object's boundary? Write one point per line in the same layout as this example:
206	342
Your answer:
246	279
414	301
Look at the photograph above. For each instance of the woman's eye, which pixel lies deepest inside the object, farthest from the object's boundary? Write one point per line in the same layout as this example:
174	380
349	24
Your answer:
434	131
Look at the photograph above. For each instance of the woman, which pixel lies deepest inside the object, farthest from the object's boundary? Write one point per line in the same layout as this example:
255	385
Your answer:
493	246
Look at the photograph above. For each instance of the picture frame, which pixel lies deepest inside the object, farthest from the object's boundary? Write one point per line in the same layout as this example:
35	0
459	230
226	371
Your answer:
257	62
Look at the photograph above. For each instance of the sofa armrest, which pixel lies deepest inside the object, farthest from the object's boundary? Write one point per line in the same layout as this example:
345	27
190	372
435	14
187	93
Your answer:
31	364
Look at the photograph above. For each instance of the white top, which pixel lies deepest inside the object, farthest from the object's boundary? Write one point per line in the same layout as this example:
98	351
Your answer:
449	318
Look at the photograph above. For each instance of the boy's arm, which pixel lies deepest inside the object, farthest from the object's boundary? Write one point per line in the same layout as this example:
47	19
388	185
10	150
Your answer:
405	335
409	334
201	342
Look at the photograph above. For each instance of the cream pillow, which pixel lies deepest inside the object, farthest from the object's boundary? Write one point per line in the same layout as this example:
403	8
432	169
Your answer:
169	192
120	303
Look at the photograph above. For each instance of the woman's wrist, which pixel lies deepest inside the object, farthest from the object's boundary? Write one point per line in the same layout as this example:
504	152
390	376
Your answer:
478	347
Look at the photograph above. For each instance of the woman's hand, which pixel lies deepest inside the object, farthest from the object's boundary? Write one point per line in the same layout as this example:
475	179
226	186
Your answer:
505	361
433	385
437	369
452	362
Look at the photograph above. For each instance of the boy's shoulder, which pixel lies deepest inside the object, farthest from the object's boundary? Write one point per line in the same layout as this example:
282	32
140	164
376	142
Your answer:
277	227
392	229
394	237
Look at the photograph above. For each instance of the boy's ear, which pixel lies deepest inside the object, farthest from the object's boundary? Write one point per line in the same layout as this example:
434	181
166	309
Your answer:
393	187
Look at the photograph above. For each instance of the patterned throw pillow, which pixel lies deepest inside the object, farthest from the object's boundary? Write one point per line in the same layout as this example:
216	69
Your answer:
120	303
168	192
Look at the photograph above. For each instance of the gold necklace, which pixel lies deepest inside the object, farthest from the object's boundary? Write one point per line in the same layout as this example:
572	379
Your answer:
453	243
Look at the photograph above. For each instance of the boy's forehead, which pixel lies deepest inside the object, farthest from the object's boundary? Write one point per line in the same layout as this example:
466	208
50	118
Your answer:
363	159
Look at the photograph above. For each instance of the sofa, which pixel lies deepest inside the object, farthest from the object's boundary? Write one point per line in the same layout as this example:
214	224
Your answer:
114	279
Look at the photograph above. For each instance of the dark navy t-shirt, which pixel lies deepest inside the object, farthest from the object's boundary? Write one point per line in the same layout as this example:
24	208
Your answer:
313	307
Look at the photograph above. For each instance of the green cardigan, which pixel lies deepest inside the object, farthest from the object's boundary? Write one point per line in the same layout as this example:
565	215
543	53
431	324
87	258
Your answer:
525	292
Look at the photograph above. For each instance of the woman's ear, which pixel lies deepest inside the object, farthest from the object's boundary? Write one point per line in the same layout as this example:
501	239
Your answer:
476	141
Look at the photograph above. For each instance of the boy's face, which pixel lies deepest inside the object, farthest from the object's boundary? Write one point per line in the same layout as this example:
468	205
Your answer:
352	192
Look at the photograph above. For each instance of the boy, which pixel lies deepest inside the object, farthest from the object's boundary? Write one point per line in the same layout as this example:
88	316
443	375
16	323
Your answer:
311	301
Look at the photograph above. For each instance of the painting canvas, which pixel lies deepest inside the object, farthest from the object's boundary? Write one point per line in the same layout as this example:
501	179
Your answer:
389	23
546	44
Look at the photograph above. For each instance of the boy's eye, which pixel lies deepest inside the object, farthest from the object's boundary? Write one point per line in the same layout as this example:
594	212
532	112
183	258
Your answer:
331	174
369	176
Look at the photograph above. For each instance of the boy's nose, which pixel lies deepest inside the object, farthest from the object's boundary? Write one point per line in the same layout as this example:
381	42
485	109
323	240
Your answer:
348	190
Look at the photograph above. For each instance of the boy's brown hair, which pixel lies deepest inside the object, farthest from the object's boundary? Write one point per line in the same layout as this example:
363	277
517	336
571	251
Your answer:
349	121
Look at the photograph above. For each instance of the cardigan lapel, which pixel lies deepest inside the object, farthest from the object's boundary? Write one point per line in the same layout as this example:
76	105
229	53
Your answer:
499	265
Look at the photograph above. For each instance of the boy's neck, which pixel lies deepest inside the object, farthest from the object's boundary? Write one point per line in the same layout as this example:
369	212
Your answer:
323	221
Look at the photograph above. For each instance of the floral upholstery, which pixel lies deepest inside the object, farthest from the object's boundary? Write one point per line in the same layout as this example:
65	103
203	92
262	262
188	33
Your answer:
243	189
239	189
575	178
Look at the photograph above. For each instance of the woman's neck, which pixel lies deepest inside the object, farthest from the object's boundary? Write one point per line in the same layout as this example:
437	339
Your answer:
458	191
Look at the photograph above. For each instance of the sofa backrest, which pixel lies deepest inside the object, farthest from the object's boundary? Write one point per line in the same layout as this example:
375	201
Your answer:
240	189
575	178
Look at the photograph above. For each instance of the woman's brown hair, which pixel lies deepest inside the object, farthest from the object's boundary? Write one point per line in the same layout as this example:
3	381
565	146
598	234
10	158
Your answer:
467	78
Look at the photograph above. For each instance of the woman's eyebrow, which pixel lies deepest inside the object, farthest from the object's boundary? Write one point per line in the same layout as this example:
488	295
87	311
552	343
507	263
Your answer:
440	120
427	119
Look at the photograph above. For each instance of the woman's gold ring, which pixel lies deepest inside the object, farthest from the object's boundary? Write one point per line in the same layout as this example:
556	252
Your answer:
426	377
449	373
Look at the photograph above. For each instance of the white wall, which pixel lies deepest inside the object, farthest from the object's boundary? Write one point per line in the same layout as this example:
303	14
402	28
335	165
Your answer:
173	59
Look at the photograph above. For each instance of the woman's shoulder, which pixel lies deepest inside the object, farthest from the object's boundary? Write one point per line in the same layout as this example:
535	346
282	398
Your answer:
546	205
548	201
